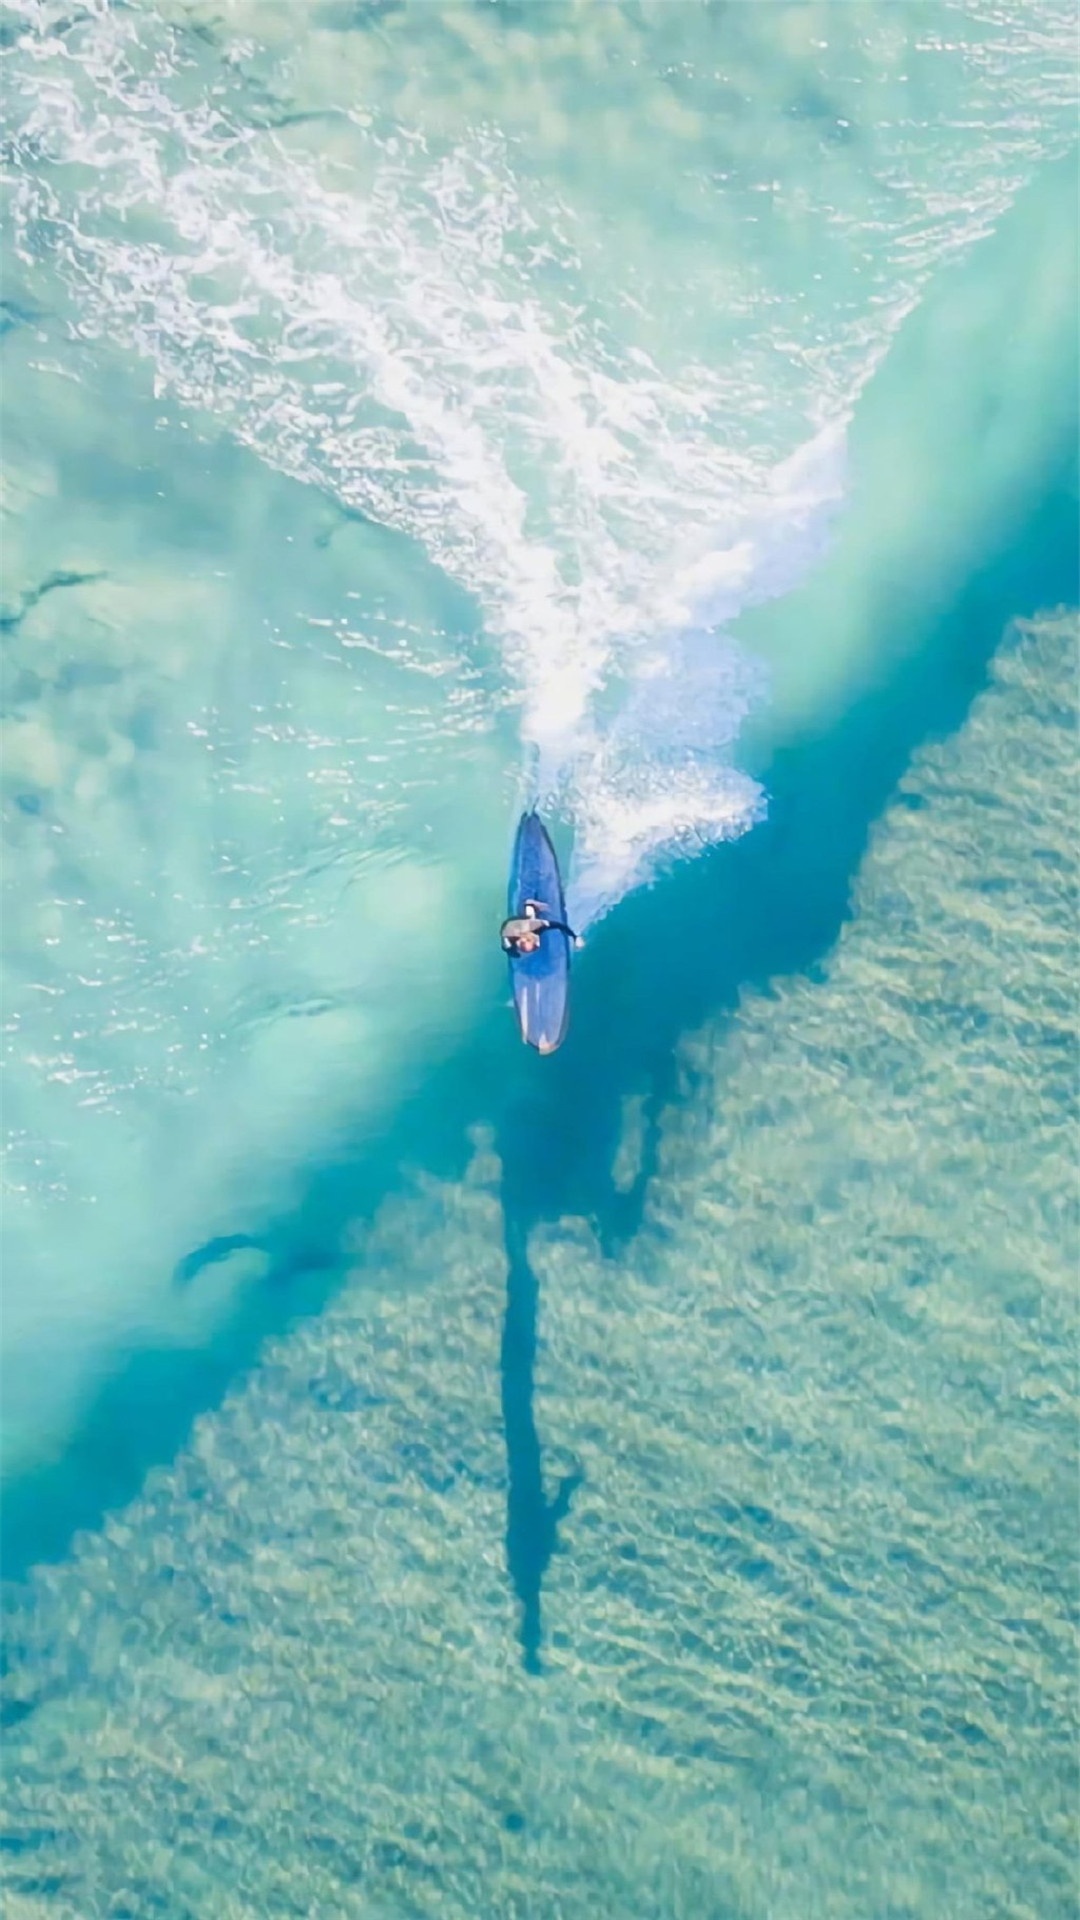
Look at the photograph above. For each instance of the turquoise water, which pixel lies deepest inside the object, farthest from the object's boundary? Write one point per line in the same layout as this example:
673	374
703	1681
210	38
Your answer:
439	1481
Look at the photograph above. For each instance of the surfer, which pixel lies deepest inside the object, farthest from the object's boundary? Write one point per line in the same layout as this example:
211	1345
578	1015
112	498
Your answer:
536	939
521	934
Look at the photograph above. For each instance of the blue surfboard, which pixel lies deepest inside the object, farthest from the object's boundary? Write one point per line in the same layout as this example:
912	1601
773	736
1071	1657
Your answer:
541	980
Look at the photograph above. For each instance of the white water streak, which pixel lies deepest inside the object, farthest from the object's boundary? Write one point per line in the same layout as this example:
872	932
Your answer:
396	319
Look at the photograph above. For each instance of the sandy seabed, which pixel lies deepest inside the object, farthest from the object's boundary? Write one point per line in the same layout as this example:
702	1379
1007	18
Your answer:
808	1636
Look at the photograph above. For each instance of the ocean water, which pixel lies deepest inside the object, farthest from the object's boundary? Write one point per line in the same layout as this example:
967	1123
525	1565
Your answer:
439	1481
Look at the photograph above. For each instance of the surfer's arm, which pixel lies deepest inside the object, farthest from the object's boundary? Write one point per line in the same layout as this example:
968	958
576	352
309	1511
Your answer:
560	926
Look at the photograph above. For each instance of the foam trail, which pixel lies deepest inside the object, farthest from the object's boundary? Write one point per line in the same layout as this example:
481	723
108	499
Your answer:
661	778
435	349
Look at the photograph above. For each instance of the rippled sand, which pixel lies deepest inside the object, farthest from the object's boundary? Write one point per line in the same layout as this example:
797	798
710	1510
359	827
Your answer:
809	1636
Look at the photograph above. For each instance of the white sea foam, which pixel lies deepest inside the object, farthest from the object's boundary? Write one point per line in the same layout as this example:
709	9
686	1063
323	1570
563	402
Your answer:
662	777
397	318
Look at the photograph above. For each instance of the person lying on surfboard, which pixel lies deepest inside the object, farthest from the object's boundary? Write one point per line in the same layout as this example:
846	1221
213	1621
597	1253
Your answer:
536	939
521	935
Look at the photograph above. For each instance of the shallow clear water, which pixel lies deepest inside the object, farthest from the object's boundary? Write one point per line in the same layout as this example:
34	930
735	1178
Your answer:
438	1480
